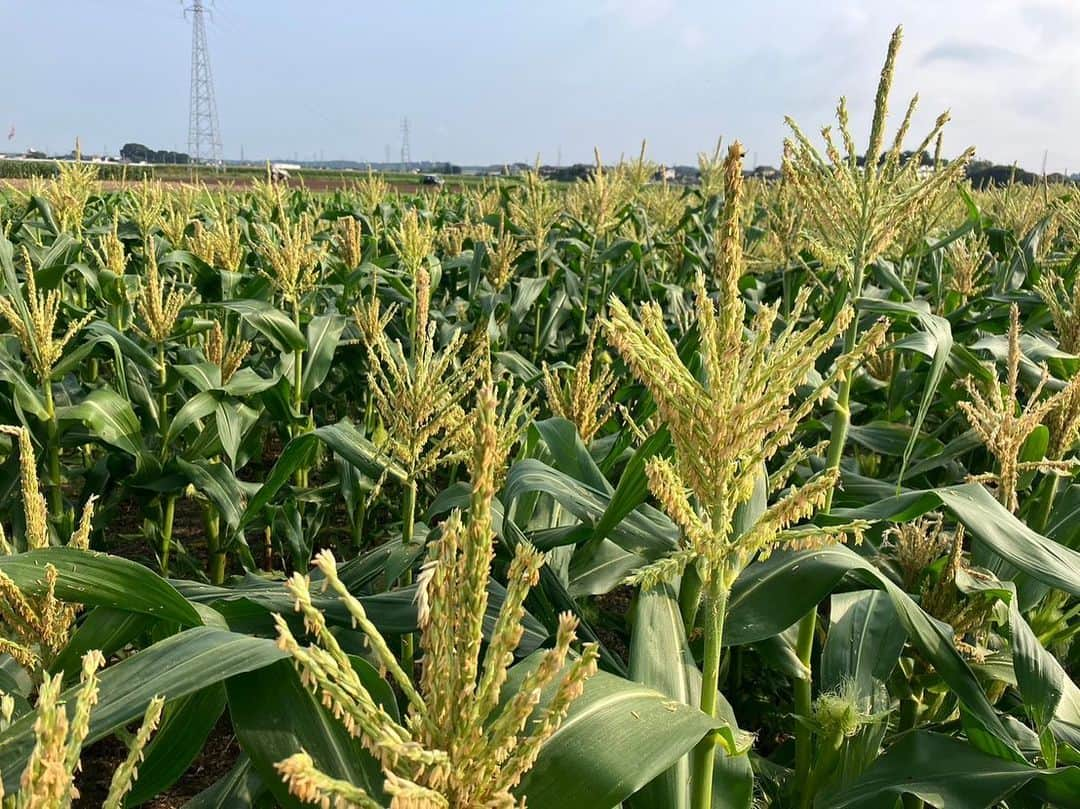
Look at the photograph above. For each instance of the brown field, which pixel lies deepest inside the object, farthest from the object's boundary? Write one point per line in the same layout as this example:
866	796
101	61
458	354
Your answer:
320	184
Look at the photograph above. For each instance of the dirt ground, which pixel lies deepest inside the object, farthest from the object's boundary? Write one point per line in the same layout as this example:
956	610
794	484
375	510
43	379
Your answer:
99	762
238	183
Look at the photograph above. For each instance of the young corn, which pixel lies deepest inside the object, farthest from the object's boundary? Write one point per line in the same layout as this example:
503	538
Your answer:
48	782
36	624
1003	424
457	747
725	425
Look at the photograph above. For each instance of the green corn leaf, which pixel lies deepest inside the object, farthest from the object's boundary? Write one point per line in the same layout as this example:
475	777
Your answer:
108	417
618	736
269	321
87	577
951	774
180	665
298	722
323	336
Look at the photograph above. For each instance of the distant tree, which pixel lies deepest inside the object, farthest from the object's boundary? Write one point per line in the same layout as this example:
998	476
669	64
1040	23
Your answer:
578	171
137	153
171	157
1001	175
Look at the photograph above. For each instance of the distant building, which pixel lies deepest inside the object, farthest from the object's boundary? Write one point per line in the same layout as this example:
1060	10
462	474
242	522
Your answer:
768	173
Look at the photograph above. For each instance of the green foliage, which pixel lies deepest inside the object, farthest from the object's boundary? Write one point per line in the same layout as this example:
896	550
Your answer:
313	396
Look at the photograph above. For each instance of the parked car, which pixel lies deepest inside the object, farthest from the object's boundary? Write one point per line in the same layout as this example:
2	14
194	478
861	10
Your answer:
432	179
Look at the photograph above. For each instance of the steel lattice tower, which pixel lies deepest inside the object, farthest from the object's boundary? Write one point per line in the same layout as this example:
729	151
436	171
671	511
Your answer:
406	156
204	139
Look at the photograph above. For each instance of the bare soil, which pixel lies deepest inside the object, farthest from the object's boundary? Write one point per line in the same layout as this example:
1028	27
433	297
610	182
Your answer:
99	762
226	182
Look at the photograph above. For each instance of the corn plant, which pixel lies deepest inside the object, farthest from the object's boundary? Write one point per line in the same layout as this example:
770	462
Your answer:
793	457
725	427
48	778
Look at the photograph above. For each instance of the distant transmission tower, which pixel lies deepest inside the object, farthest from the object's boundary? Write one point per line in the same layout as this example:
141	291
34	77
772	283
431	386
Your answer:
406	156
204	139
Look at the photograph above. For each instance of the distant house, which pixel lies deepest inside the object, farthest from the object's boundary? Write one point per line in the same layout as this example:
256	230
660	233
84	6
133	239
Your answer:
687	174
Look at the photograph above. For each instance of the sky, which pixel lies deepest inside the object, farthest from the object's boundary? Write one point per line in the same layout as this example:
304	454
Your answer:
498	81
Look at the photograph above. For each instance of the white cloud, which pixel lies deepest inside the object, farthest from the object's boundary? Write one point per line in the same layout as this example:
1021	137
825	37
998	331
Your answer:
693	38
639	13
1011	81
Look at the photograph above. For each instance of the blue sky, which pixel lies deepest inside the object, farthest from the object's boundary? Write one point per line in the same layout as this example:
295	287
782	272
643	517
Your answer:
490	81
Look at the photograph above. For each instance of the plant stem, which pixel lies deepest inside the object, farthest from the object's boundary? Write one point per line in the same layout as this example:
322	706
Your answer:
716	599
909	712
163	398
298	364
604	273
408	516
539	304
841	418
909	715
808	624
300	478
804	748
1048	747
360	517
52	430
298	377
166	532
826	763
218	556
586	284
268	549
842	409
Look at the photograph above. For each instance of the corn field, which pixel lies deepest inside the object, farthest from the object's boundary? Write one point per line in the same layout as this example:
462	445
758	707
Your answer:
618	493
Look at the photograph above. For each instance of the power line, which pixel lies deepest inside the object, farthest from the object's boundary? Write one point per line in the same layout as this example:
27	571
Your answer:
204	138
406	155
